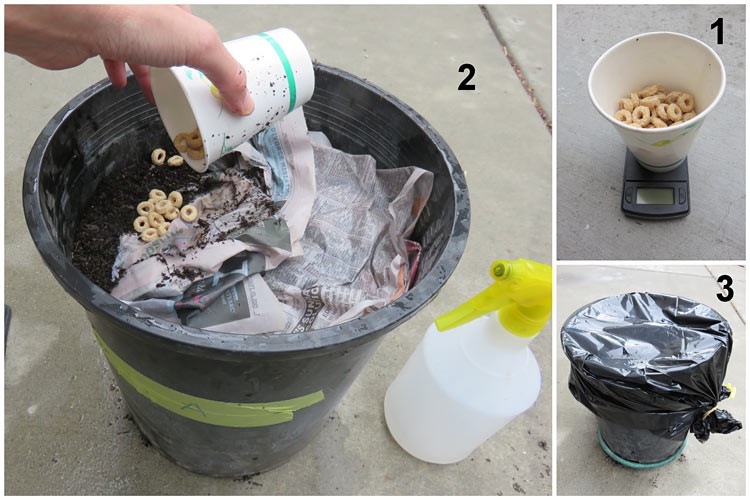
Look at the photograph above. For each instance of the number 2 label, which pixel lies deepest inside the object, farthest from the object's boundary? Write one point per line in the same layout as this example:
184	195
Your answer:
465	85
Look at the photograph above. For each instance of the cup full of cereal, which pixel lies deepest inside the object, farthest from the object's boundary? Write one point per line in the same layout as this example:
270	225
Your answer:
280	78
657	89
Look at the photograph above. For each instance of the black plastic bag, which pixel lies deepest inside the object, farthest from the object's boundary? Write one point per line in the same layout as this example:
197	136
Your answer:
651	362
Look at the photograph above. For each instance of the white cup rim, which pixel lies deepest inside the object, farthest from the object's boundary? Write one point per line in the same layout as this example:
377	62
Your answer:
706	110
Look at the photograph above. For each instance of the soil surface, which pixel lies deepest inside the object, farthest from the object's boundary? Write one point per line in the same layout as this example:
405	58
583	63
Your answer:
112	210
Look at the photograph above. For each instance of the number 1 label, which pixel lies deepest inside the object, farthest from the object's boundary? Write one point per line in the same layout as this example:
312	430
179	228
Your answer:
719	25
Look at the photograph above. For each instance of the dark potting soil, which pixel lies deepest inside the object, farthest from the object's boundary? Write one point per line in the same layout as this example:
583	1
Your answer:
113	208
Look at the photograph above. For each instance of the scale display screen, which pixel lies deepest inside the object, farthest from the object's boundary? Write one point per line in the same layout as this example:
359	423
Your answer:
654	196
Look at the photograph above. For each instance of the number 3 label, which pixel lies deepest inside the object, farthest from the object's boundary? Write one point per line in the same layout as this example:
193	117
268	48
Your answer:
727	293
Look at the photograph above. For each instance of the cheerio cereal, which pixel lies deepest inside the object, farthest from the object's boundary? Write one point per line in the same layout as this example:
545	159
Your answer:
155	214
652	107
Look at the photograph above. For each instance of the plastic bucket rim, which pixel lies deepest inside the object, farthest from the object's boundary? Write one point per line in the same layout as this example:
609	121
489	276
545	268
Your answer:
366	328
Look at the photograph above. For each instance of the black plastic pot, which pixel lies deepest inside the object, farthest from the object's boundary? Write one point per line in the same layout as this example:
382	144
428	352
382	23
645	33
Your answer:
640	448
651	368
226	404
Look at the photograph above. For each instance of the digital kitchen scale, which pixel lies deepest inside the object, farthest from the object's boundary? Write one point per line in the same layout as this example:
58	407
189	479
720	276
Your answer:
655	196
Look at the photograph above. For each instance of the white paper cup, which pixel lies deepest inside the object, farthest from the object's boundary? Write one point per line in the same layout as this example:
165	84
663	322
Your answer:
678	62
280	78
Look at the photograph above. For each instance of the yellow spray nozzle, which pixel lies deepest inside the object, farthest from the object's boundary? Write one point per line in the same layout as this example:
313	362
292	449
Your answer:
522	295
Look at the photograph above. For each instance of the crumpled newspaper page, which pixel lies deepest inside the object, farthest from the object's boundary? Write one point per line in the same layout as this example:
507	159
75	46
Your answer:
355	248
336	249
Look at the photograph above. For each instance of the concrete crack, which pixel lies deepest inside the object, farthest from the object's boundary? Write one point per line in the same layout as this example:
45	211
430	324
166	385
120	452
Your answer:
516	68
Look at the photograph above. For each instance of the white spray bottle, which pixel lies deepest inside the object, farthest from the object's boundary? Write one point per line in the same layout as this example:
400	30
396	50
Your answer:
460	387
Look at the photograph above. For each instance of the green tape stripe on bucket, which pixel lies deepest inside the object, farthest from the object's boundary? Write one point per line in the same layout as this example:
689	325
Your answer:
287	69
207	410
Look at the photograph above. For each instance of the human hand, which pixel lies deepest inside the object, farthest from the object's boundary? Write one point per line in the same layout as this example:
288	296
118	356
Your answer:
64	36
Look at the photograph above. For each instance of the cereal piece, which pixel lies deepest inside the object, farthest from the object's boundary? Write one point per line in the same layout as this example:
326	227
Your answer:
661	111
194	140
162	206
196	154
650	101
145	208
189	213
686	103
673	96
172	213
175	198
642	115
158	156
155	220
649	91
175	161
652	107
162	230
624	116
140	223
181	142
149	234
156	195
674	112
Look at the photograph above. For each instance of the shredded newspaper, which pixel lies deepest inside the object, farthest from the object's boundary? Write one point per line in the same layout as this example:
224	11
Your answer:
336	248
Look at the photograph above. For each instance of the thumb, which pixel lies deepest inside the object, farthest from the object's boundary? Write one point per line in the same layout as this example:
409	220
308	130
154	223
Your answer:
227	75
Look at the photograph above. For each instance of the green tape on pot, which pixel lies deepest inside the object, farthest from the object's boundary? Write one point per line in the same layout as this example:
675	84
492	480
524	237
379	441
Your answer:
206	410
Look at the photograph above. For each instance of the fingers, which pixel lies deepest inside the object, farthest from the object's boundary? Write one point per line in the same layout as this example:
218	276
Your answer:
141	73
121	38
231	81
116	72
229	77
118	77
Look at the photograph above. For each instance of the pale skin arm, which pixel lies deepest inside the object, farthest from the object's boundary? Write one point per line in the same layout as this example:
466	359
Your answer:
64	36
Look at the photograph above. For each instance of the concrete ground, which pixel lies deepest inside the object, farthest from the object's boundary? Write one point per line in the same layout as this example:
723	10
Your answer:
716	467
65	425
591	154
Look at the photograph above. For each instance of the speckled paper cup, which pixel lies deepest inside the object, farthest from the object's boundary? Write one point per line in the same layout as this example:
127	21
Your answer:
280	78
676	61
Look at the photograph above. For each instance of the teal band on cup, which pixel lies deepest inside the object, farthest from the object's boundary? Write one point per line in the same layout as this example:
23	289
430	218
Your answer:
287	69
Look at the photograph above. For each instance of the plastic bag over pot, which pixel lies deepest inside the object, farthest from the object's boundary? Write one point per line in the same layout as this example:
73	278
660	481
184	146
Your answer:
648	361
